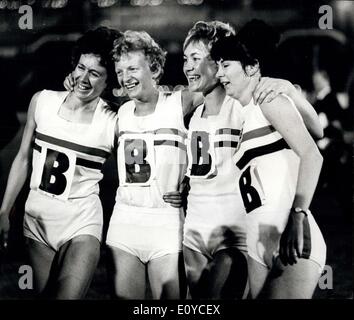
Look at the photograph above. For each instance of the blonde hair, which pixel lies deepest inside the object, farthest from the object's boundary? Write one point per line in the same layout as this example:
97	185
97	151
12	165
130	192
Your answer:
141	41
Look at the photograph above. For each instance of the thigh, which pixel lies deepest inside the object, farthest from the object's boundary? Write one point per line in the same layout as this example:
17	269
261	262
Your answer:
228	275
297	281
196	266
77	262
257	276
41	259
166	275
128	273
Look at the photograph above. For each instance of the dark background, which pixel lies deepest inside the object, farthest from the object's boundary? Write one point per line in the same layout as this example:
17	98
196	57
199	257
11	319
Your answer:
36	59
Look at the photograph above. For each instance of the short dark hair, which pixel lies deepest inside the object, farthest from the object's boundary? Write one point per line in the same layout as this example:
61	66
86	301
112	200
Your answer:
141	41
255	42
100	43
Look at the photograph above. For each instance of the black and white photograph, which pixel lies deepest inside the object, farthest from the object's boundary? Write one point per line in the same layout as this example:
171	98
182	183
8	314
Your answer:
186	152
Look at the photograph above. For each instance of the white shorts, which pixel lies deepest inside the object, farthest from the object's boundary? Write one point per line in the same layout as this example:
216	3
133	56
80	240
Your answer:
264	229
147	233
277	174
54	222
215	223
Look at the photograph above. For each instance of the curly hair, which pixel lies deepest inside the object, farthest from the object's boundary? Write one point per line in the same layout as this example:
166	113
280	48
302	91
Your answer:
100	43
208	33
141	41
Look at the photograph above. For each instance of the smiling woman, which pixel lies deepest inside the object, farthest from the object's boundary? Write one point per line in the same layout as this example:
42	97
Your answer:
145	232
91	80
199	68
73	135
135	76
139	64
280	165
214	243
92	75
215	246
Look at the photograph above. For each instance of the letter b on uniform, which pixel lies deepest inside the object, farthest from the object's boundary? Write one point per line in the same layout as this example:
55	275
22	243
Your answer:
138	170
201	159
53	180
250	196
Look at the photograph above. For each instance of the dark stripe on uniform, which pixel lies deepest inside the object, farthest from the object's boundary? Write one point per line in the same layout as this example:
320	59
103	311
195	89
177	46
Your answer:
79	161
234	132
221	144
37	147
170	143
89	164
260	132
260	151
73	146
169	131
306	252
158	131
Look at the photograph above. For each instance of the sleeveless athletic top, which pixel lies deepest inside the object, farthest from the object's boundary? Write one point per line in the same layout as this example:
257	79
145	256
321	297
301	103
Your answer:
67	156
151	152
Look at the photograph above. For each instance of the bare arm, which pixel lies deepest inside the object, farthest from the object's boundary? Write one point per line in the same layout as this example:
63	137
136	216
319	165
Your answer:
269	88
284	118
19	169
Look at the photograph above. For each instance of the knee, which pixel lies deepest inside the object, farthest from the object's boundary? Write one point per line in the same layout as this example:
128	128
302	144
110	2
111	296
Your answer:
92	254
231	257
226	260
87	247
193	273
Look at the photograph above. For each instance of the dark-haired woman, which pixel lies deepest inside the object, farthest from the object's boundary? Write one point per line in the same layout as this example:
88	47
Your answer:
280	166
73	134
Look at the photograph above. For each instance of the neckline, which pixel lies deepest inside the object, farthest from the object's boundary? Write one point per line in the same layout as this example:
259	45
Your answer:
63	99
251	103
150	114
213	115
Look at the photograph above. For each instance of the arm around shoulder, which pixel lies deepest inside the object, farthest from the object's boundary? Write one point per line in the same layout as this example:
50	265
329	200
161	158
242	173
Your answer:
307	112
269	88
286	120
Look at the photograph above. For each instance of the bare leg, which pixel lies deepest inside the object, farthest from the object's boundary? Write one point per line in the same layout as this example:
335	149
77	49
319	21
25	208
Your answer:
258	274
197	273
41	259
227	275
165	276
77	261
296	281
128	275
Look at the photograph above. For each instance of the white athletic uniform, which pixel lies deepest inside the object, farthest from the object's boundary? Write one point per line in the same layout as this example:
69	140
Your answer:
67	158
151	161
268	184
215	216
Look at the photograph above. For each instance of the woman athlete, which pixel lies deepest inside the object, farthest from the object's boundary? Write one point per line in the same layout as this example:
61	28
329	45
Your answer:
69	135
280	165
